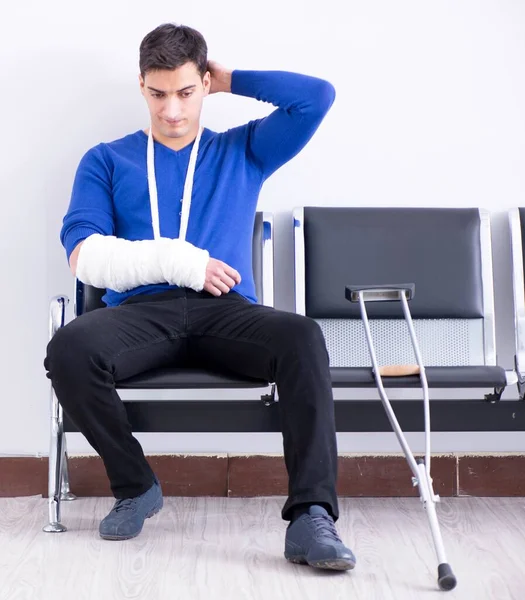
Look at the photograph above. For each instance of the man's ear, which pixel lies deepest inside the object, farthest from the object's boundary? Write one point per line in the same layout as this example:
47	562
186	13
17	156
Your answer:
141	83
206	82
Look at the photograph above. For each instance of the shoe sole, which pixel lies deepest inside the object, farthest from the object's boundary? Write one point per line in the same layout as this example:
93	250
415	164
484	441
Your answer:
116	538
333	564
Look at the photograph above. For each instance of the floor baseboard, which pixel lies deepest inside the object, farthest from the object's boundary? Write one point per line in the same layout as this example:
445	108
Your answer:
265	475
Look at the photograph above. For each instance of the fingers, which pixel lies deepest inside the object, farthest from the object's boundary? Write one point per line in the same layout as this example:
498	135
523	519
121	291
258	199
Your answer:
230	272
220	278
216	286
219	284
208	287
228	280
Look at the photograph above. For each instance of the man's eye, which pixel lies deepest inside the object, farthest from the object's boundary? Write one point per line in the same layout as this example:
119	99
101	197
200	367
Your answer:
157	95
186	94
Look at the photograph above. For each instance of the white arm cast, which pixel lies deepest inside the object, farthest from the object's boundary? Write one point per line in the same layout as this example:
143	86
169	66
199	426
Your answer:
106	261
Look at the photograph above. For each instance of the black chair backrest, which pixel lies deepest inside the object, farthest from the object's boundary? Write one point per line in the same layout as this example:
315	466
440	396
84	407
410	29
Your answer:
437	249
90	298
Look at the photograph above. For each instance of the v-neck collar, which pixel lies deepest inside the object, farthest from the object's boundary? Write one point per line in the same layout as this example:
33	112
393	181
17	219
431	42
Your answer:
182	152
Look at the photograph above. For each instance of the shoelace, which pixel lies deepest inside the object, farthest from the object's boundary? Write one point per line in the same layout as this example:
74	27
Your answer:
124	504
326	526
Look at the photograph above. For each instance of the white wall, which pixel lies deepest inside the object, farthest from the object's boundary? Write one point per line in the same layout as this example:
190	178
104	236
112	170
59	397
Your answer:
429	112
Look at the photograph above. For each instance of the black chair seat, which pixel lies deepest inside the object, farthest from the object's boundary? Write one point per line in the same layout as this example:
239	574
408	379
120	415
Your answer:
342	377
437	377
188	378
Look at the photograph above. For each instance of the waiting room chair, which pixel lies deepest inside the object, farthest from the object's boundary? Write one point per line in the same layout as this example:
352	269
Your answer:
88	298
445	252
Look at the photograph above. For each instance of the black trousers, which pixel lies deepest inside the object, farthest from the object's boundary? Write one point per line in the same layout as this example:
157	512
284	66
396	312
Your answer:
94	351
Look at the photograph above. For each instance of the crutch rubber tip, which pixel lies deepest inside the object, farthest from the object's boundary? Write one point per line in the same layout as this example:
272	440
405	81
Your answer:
446	579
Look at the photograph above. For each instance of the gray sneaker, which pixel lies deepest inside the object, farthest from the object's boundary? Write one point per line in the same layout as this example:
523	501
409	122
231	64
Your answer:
313	539
127	516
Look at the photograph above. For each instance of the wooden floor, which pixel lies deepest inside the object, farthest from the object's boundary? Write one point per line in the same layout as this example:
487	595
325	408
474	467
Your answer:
229	548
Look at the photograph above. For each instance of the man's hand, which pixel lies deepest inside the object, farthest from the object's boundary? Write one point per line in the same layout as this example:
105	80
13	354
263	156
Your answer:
221	78
220	277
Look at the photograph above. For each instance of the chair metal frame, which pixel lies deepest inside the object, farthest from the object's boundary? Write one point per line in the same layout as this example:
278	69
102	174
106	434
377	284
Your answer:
518	286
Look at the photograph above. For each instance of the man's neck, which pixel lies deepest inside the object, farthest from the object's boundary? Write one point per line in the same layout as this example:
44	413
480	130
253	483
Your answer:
174	143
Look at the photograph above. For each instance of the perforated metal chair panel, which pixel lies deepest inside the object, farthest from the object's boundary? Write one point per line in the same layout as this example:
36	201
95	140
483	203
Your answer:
443	342
451	361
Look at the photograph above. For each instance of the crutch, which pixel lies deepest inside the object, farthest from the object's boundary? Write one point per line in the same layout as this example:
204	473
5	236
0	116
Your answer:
420	468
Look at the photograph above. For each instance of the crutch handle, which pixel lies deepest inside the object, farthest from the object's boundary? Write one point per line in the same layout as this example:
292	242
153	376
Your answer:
399	370
380	293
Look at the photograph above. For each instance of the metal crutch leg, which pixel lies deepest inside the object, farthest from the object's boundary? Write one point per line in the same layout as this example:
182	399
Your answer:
420	469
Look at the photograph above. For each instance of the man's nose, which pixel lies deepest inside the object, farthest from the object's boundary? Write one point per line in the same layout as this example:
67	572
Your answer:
172	108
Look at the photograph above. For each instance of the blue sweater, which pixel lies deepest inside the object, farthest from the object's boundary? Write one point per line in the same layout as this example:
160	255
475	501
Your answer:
110	191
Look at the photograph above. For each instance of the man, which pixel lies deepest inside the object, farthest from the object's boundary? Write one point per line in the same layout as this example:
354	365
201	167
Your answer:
163	219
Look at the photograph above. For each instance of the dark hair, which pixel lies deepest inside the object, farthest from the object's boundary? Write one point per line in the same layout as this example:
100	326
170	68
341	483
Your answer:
170	46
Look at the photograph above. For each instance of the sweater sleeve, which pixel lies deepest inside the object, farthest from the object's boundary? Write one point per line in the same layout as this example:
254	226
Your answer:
91	206
302	102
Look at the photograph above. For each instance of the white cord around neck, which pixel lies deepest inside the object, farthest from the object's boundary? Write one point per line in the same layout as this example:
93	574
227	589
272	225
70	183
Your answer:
188	187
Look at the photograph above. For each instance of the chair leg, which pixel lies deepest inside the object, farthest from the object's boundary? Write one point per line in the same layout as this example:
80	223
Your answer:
56	451
65	489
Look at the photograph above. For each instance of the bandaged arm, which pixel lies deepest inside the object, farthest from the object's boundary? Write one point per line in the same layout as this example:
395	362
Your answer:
105	261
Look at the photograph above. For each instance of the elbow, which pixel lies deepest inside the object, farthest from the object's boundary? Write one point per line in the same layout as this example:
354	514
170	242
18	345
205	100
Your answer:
321	96
325	96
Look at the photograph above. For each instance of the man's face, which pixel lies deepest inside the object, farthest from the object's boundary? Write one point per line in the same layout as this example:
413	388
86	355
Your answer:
174	99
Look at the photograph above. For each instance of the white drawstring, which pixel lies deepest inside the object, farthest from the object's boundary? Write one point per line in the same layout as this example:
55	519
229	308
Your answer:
188	187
